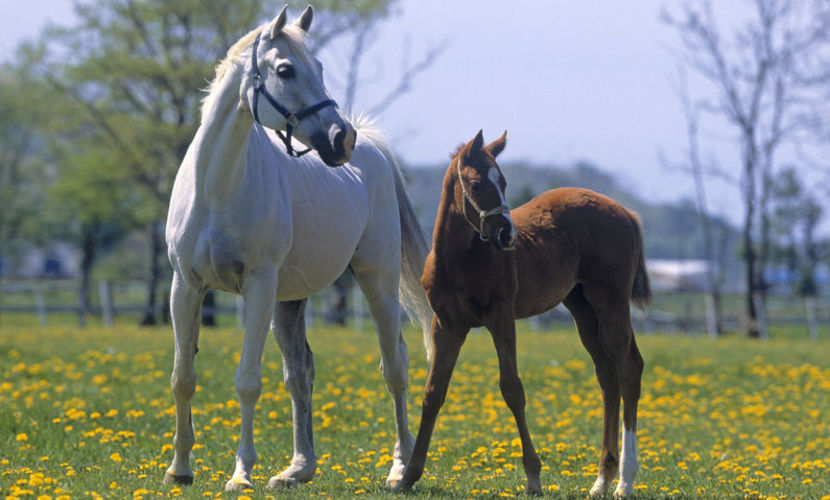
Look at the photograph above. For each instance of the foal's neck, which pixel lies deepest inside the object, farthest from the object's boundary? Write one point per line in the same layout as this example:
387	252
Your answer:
454	237
222	139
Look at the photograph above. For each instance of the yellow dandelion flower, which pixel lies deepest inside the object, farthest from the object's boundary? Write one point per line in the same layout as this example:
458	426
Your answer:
21	437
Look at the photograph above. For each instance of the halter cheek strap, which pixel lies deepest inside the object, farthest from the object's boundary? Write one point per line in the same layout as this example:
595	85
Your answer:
292	120
482	214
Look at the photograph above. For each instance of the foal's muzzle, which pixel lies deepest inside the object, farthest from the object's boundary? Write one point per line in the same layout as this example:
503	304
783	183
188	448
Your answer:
505	237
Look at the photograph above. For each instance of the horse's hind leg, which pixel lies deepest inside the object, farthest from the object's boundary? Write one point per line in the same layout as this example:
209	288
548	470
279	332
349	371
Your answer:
381	291
259	291
298	373
185	304
503	331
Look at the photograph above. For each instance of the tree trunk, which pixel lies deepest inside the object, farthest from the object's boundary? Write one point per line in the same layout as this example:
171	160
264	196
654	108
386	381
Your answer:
89	245
156	247
209	309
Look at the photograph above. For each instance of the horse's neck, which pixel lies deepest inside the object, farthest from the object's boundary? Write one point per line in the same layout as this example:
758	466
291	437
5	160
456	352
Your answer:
222	140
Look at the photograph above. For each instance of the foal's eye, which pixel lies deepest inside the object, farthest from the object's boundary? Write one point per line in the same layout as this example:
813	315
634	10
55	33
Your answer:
285	71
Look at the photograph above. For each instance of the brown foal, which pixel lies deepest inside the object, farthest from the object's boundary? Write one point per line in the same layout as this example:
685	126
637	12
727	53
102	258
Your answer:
489	266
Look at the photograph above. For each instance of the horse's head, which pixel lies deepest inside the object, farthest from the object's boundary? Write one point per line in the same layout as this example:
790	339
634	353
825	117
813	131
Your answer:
284	89
479	194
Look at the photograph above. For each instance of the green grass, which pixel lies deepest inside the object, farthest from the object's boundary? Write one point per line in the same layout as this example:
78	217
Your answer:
88	413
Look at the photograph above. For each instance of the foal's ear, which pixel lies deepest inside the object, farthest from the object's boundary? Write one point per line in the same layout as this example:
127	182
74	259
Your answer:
478	142
278	23
496	147
304	21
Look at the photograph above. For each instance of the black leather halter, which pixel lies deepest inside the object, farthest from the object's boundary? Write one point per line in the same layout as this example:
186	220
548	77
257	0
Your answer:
291	119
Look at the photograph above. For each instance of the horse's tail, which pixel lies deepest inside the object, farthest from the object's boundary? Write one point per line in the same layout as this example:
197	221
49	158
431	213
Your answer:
414	247
641	289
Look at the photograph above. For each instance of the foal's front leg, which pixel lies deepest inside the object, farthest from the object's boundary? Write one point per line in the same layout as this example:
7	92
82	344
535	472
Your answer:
298	372
447	344
503	330
259	293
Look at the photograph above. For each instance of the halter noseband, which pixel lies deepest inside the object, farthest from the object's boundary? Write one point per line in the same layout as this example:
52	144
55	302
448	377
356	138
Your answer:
482	214
292	120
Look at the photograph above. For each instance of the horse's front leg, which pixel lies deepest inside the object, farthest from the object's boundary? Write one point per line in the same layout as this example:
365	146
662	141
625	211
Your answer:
382	294
298	372
503	330
259	293
185	302
447	344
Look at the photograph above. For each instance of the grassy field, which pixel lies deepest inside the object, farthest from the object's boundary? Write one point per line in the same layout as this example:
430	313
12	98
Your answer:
89	414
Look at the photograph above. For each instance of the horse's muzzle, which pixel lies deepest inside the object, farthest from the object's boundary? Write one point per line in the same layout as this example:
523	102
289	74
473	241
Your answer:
336	148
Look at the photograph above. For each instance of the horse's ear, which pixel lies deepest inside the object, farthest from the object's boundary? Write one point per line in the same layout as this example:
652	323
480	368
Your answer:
478	142
304	21
496	147
278	23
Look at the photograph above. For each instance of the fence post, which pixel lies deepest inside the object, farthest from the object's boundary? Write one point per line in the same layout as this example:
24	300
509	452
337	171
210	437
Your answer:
240	312
357	308
711	320
40	305
761	311
812	323
309	312
106	302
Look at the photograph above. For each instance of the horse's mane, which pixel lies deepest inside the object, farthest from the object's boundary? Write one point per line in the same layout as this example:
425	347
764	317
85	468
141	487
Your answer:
238	49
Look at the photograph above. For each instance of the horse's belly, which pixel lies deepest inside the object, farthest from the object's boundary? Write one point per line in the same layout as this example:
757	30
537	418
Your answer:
321	249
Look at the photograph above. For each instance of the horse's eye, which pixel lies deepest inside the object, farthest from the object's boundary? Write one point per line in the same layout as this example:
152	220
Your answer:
475	186
285	71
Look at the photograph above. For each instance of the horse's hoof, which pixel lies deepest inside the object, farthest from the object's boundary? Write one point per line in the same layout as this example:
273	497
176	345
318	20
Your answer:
622	491
238	484
175	479
280	483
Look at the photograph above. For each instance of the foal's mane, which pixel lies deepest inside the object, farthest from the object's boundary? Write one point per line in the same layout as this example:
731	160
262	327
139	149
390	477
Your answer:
235	53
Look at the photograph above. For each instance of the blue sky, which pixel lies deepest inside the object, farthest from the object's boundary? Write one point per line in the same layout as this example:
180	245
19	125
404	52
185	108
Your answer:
569	80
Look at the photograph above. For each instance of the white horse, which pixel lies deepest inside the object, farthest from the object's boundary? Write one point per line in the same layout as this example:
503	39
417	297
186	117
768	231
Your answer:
249	216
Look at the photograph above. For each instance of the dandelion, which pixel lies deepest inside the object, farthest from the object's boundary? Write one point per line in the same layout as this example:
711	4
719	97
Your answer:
22	437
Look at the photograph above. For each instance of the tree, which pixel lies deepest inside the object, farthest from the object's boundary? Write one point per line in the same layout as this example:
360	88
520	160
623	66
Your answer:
795	217
763	75
133	69
22	169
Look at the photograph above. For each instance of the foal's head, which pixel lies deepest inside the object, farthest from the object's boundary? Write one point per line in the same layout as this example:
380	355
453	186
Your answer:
479	192
284	89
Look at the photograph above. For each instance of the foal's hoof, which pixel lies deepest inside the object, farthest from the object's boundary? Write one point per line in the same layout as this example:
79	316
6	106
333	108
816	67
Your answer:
533	486
174	479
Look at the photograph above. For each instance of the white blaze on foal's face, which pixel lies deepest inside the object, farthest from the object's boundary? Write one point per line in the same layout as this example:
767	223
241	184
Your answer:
494	176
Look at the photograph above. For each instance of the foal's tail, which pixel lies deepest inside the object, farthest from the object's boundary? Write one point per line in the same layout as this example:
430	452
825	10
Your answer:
641	289
414	246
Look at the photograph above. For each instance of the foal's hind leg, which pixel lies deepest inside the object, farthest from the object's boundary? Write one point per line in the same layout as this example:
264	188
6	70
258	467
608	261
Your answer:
503	330
604	326
185	304
381	291
298	372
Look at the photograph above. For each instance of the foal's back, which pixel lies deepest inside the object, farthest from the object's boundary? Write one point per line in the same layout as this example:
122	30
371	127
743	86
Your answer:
571	236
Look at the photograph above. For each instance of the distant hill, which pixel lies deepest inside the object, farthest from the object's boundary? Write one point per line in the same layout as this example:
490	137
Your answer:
672	230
